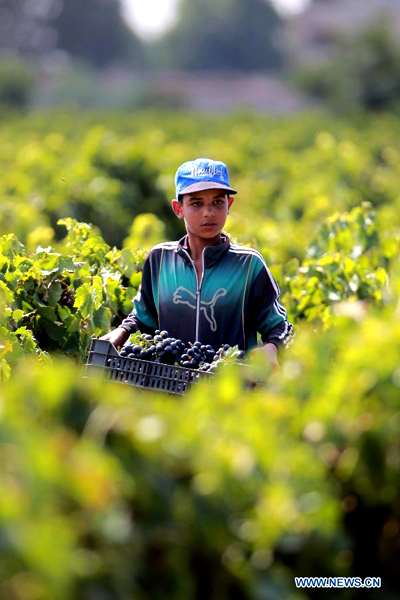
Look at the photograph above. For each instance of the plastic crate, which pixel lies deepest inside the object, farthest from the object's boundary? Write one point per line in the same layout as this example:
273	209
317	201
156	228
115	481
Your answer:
103	356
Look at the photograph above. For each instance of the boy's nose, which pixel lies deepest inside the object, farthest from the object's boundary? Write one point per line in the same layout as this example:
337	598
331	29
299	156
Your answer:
208	210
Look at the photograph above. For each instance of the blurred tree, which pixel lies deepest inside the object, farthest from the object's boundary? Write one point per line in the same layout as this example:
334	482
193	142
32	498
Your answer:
95	32
92	31
365	72
24	26
223	34
16	83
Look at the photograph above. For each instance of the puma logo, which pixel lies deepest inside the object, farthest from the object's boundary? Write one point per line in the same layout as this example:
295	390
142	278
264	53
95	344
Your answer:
184	296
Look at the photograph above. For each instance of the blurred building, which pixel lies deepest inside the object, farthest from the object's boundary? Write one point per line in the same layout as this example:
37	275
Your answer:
310	36
220	92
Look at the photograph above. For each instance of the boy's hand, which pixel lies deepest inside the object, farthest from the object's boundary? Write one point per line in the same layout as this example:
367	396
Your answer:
117	337
272	353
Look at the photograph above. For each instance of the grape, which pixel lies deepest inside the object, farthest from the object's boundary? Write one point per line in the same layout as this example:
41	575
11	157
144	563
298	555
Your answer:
162	348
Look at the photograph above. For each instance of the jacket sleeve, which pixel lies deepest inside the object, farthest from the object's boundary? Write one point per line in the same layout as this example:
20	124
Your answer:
144	316
270	315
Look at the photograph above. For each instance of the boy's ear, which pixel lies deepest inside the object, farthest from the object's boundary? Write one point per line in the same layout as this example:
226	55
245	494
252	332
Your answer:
177	208
230	202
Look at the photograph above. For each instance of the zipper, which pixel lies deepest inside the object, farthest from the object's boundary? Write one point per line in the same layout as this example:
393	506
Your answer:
198	290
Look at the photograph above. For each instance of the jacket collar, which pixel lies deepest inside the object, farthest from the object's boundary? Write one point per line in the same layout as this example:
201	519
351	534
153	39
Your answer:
212	254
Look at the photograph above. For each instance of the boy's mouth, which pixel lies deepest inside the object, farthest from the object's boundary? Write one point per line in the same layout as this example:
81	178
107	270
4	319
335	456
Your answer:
209	224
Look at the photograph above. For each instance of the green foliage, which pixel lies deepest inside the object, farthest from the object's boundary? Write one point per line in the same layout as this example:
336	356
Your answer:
347	260
230	494
106	169
101	179
54	301
146	231
133	169
237	489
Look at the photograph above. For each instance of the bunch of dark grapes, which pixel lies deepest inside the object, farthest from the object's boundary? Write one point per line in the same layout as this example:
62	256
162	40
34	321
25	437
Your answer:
162	348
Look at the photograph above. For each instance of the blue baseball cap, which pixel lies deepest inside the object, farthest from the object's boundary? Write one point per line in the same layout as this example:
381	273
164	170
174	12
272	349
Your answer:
202	174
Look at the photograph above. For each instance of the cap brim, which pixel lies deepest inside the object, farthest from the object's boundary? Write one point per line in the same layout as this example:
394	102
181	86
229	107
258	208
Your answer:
206	185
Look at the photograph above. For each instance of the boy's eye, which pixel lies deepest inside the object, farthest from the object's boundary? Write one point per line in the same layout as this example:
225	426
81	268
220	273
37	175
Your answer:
217	201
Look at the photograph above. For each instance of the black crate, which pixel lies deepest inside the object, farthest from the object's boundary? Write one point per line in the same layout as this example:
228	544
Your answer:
103	356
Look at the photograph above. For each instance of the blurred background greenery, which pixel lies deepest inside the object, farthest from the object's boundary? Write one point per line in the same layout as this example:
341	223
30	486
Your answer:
108	493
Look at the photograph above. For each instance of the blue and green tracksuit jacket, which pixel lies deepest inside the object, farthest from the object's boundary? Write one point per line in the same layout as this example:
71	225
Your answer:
236	297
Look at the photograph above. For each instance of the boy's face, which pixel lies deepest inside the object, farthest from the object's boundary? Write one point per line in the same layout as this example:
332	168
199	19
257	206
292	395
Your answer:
204	212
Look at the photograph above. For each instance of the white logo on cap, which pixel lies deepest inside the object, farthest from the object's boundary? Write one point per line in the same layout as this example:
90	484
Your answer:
211	170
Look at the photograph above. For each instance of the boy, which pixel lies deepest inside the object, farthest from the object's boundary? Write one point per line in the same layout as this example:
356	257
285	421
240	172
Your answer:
203	287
